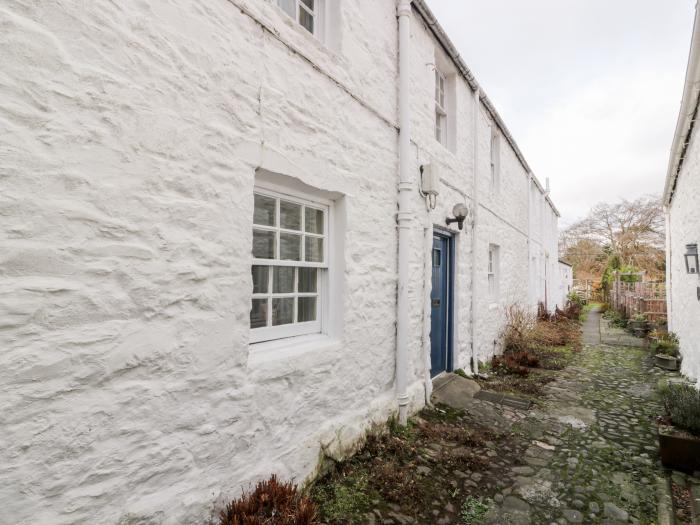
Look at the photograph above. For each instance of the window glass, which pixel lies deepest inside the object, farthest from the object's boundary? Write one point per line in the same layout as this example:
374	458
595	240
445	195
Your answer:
307	309
314	249
282	311
290	247
258	313
264	244
308	280
260	279
265	208
306	20
283	279
290	216
314	221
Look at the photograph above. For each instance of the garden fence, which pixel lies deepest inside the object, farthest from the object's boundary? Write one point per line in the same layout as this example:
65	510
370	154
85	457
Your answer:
640	297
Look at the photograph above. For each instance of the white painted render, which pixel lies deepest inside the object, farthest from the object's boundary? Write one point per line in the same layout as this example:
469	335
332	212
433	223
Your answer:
131	134
681	197
566	282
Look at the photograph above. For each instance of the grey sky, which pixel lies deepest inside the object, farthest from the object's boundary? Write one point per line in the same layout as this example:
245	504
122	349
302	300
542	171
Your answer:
590	89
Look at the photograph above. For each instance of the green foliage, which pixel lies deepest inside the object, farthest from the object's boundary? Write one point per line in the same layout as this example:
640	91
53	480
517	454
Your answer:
339	501
615	318
666	343
474	511
575	298
682	404
460	372
640	318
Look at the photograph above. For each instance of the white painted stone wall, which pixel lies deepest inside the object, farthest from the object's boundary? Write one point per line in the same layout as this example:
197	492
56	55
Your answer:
566	283
131	134
684	228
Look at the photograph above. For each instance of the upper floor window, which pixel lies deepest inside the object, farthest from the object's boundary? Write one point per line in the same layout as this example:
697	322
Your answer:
290	254
493	272
308	13
495	160
440	107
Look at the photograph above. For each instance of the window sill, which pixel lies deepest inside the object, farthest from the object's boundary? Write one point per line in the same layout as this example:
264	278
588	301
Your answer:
271	352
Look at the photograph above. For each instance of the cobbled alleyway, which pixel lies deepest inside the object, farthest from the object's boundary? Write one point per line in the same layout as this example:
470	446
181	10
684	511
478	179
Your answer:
592	453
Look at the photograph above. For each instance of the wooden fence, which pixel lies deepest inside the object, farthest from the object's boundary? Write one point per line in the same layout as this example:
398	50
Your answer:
643	297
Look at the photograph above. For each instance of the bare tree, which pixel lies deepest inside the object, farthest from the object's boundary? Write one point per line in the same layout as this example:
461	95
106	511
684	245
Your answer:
630	231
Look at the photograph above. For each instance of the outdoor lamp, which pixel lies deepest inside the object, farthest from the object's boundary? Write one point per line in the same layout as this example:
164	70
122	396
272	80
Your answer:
460	212
691	258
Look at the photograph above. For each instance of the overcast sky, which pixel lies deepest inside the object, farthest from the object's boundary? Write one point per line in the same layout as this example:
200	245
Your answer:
590	89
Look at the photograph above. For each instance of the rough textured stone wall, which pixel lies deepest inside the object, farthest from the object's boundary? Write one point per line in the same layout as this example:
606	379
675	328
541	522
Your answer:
130	138
683	228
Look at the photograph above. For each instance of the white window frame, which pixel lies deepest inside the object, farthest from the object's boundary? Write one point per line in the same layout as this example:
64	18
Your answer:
269	332
317	14
440	107
493	272
495	150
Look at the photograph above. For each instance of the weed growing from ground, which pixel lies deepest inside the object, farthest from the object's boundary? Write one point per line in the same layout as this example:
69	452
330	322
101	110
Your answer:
474	511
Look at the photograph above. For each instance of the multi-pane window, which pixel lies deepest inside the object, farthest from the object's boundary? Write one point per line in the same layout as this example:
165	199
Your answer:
289	264
440	108
493	263
495	158
306	12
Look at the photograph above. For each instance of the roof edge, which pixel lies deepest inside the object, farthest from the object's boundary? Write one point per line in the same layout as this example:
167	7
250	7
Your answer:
686	114
448	45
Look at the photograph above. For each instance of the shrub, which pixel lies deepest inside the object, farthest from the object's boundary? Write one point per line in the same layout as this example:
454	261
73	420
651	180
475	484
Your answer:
519	325
575	298
271	503
682	404
508	364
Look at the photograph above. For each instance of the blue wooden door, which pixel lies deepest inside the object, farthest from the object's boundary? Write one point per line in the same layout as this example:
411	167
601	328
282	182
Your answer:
441	306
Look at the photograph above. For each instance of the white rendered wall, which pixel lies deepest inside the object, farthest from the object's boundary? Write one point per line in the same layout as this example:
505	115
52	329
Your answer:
684	228
131	134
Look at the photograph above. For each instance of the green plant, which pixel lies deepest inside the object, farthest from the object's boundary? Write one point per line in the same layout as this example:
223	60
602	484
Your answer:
474	511
639	318
682	404
271	503
575	298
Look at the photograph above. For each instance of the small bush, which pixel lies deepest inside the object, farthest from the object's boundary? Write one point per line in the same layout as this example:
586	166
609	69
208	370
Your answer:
271	503
576	298
682	404
508	364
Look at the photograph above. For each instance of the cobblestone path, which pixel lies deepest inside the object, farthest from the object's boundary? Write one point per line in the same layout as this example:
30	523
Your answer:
591	450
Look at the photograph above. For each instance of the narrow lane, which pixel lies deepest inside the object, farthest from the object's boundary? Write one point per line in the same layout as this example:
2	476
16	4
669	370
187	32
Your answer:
592	456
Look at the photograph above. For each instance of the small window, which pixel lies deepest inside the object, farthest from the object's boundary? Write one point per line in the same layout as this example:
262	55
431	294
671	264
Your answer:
308	13
495	160
440	108
290	244
493	272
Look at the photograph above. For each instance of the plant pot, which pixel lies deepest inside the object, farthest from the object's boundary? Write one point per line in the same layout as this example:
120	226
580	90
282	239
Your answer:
666	362
679	450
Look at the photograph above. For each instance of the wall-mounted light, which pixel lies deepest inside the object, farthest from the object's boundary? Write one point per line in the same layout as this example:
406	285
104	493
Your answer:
691	258
460	212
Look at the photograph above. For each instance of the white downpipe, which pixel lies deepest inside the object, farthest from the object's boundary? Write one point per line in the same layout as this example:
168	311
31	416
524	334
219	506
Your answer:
669	271
475	220
404	216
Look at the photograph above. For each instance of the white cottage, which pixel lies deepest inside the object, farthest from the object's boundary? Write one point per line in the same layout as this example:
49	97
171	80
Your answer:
228	244
681	198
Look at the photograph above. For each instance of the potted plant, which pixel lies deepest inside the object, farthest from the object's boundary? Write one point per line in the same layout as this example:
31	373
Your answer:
638	325
666	352
679	430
